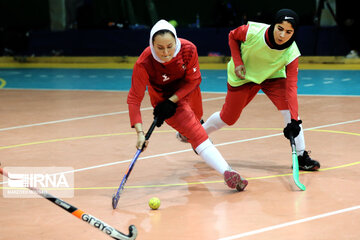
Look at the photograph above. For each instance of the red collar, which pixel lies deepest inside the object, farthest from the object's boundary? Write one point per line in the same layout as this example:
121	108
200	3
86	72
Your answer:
267	39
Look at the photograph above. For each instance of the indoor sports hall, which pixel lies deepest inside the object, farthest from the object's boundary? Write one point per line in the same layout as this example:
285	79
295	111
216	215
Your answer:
78	117
63	94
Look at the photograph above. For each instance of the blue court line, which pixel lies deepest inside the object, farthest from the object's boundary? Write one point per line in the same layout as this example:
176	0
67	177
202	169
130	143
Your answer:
312	82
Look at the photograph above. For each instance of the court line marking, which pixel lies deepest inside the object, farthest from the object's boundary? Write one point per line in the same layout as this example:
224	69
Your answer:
270	228
65	139
66	120
126	111
219	144
187	150
197	183
87	117
158	131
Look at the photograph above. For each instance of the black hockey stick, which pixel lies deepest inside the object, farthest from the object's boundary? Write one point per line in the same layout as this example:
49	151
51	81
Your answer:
116	197
97	223
295	162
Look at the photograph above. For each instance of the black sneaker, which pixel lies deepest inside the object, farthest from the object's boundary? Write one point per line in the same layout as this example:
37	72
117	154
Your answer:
307	164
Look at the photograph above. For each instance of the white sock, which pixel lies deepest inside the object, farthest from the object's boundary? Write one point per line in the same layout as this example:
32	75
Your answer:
208	152
214	123
300	139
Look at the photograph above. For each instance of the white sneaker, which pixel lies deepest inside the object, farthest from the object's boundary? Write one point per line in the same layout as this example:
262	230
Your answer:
181	138
184	139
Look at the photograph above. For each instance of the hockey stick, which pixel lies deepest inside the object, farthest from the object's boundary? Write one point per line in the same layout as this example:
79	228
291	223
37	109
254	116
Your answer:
116	197
295	165
97	223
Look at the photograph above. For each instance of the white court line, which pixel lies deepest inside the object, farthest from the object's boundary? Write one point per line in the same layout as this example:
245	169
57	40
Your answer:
64	120
86	117
280	134
261	230
115	113
187	150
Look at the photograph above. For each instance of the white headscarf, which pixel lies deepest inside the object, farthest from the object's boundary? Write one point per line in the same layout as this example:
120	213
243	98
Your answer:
163	25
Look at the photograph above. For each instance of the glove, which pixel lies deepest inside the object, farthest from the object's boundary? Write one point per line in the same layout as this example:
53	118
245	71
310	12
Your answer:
164	110
292	129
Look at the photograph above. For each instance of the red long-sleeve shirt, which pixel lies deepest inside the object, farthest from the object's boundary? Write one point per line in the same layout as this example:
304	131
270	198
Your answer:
179	76
237	36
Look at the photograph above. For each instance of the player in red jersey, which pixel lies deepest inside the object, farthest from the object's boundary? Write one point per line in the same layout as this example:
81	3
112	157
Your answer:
169	68
265	57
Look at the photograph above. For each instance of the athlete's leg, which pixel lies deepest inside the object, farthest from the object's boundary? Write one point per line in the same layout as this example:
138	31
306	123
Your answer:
275	90
299	140
214	123
235	101
212	157
195	102
186	123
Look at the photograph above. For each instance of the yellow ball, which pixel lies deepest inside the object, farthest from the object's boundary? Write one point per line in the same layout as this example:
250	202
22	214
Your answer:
154	203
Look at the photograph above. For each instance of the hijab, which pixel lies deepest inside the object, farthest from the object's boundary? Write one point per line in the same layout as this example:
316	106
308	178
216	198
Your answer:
284	15
163	25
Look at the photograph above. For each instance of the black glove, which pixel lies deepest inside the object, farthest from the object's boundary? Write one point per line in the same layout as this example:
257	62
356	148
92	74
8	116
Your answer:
164	110
292	129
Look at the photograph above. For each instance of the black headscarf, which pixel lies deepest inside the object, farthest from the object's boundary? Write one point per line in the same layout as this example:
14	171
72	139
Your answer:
284	15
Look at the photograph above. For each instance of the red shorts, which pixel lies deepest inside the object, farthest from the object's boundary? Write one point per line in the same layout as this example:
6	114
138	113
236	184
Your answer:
238	97
186	120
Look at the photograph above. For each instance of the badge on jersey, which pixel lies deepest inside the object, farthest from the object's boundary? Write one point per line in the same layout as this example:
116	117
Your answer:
165	78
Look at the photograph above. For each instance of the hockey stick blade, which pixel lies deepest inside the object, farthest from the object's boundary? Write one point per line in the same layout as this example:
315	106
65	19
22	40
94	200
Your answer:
115	200
295	163
93	221
116	197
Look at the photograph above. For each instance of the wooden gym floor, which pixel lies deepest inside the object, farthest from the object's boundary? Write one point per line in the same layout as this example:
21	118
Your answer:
89	131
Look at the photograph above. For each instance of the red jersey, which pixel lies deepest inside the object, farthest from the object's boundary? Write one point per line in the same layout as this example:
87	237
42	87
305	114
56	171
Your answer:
179	76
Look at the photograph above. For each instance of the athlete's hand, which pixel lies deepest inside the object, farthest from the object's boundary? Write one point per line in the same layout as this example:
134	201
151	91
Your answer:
292	129
141	140
164	110
240	71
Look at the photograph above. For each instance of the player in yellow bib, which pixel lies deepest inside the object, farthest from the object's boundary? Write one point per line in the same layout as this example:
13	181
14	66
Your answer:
265	57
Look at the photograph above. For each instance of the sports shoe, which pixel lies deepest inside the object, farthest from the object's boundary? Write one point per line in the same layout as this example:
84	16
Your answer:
234	180
184	139
181	137
306	163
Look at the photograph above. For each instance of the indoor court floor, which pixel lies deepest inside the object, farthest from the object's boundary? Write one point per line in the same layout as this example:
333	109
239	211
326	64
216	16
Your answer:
79	118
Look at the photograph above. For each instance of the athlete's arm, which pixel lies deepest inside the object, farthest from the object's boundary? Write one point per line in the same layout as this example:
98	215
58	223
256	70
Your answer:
291	87
136	93
192	77
237	36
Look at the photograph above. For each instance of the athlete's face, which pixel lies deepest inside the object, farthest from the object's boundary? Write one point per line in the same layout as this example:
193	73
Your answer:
164	45
283	32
